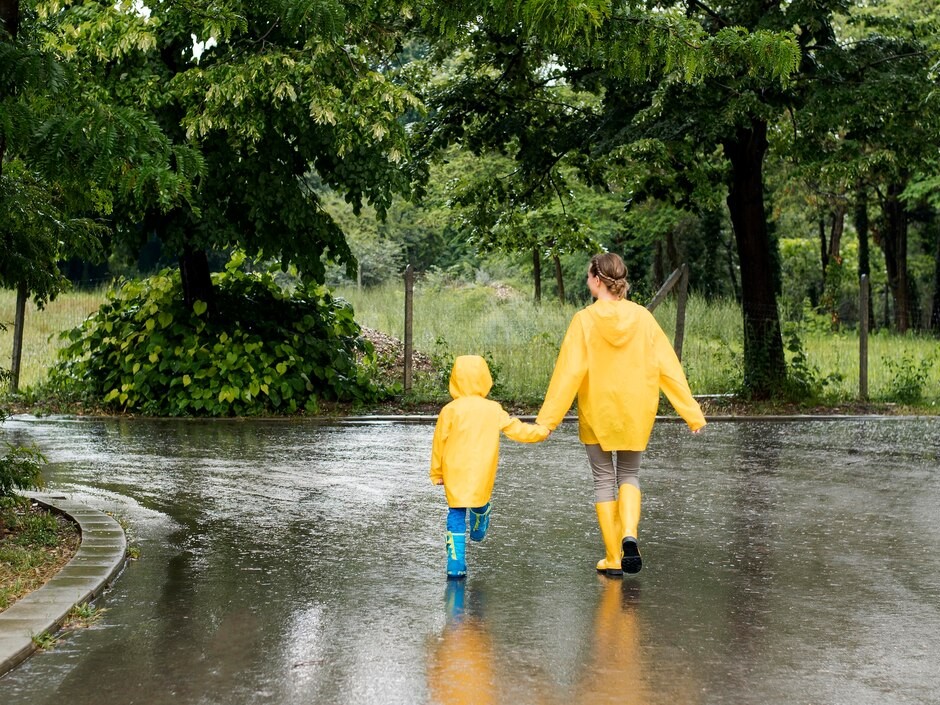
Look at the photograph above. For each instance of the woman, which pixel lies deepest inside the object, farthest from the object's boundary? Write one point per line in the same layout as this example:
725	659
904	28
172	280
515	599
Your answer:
616	358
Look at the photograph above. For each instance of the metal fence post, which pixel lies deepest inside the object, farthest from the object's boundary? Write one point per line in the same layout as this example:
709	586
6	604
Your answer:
863	314
409	321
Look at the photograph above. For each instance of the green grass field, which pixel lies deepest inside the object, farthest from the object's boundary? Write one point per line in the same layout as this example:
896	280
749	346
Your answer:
41	330
521	341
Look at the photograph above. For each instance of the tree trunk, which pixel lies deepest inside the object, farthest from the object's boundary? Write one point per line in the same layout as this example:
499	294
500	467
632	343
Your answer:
832	279
659	267
864	258
537	274
559	278
823	248
765	367
835	235
10	16
894	244
19	321
672	251
197	283
935	308
732	275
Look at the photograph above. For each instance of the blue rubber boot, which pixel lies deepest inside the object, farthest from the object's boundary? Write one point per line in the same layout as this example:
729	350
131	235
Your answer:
479	522
456	556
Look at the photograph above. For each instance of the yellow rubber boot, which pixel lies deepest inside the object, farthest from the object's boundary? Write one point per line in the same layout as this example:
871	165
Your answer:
610	531
628	506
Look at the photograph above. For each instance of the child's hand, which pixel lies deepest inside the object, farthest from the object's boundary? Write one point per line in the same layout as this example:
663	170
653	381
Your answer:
439	481
546	432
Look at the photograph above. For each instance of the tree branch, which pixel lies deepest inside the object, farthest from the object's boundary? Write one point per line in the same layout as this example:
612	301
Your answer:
708	11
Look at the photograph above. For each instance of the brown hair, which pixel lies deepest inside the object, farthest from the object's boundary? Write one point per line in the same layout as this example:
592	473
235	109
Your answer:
611	270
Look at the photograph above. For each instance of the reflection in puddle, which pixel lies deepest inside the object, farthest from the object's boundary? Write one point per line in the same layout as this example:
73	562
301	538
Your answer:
291	563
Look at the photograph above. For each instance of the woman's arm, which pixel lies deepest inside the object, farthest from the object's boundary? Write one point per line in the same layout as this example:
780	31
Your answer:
570	368
673	382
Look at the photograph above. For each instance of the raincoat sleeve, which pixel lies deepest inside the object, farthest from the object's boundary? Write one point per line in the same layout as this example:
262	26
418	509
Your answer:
520	431
437	446
570	368
673	382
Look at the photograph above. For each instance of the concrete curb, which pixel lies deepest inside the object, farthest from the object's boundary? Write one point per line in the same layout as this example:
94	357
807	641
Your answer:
100	558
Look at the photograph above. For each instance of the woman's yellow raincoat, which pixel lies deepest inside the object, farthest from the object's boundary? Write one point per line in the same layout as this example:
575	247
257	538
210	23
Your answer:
616	358
465	451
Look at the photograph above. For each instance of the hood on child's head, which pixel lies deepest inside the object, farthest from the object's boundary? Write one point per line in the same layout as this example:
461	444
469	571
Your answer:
470	377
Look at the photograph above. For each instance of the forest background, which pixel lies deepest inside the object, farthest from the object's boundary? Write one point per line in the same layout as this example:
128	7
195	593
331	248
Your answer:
781	150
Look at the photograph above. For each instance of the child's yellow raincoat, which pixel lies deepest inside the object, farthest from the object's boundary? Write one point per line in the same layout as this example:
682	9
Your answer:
465	452
616	358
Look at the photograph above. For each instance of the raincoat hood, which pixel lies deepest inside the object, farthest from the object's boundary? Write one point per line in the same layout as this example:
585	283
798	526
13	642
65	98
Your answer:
470	377
614	320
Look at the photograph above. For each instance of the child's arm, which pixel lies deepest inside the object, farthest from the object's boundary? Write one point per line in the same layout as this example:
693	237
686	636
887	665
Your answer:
523	432
437	447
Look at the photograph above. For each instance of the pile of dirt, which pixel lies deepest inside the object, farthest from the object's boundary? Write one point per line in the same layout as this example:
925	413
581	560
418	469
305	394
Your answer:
504	292
390	353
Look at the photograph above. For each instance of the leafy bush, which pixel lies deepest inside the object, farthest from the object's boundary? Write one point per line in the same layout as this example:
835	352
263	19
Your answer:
20	469
804	380
908	378
263	350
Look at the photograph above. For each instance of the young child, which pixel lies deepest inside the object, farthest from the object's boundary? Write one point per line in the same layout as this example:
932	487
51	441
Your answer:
465	454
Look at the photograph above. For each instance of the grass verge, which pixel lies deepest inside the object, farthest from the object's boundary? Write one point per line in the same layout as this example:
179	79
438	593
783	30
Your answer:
34	545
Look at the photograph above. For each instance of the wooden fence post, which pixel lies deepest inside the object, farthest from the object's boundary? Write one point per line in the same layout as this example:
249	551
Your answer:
680	277
409	322
863	315
683	297
664	290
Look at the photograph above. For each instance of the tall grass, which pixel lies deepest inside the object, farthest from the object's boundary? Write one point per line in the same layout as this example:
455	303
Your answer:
521	341
41	330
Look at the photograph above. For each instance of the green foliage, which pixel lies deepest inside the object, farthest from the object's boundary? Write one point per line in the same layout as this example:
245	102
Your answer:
265	351
908	378
252	99
442	360
67	152
37	231
805	382
20	469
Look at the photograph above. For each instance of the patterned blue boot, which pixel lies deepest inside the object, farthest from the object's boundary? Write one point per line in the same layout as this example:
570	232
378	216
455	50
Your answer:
456	556
479	522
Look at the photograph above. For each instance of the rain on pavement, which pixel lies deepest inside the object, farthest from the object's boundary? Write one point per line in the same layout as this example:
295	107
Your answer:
288	562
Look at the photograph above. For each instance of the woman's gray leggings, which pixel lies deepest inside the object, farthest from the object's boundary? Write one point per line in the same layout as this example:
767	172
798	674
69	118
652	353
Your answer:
609	473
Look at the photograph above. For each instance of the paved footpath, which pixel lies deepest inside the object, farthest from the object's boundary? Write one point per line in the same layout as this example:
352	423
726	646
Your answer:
101	556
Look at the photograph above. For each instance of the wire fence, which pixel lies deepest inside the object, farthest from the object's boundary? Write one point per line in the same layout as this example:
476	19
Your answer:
521	341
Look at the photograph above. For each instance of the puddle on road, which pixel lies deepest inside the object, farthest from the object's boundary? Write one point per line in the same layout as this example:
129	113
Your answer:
296	563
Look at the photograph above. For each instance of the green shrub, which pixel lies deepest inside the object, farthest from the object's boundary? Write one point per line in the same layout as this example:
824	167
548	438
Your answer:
908	378
805	383
20	469
263	350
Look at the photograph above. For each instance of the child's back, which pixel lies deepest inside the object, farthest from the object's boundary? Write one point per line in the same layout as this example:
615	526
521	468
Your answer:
465	453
